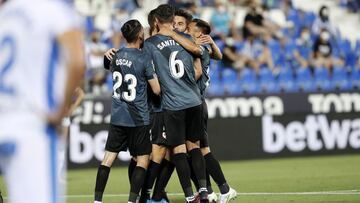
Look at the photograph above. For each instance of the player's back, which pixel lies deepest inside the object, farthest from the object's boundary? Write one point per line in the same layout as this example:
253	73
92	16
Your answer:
131	68
31	69
175	69
204	80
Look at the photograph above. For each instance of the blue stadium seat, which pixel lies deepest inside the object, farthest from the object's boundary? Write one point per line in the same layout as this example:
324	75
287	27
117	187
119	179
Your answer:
340	78
275	49
286	80
322	79
305	80
355	78
357	48
268	82
215	89
309	18
229	75
233	88
345	47
248	81
220	44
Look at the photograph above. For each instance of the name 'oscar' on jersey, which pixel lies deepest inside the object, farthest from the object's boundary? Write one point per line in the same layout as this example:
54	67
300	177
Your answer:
131	69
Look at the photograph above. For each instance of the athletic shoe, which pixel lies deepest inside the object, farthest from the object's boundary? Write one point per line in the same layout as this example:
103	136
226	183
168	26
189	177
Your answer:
225	198
204	197
212	197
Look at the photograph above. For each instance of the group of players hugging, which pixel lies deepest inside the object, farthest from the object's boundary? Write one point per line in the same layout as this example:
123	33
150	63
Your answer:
158	109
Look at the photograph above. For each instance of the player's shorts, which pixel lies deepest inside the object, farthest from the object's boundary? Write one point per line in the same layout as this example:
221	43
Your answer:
136	139
204	140
183	125
158	134
29	160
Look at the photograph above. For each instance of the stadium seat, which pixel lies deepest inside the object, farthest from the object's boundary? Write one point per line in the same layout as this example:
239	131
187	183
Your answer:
345	47
322	79
340	78
233	88
305	80
248	81
355	78
215	89
309	18
268	82
357	48
286	80
229	75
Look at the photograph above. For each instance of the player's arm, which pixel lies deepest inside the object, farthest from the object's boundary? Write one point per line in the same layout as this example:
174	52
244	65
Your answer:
215	52
155	85
151	75
197	68
79	94
72	44
108	56
189	45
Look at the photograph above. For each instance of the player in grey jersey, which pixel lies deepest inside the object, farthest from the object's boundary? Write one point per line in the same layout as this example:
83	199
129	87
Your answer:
132	71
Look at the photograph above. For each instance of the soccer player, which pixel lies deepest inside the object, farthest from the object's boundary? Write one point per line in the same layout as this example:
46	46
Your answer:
180	101
42	62
200	31
77	99
132	70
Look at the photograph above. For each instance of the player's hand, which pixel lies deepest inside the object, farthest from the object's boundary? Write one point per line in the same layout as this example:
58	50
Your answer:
206	39
166	31
110	53
55	118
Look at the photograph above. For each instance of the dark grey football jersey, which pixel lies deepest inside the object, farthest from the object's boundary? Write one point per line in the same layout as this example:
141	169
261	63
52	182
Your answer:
174	67
131	69
204	80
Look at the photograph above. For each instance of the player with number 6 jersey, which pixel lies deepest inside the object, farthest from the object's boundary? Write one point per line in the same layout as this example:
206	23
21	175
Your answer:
132	71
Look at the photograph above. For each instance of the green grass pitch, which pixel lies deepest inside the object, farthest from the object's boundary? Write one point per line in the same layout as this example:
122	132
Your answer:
312	179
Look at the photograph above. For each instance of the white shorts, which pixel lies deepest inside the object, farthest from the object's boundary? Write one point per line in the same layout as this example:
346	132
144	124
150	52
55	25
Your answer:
31	170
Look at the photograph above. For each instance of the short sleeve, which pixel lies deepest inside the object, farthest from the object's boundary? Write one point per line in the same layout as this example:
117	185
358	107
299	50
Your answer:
149	67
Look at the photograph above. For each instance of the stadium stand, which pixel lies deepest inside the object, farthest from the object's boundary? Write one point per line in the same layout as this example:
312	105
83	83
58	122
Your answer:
301	57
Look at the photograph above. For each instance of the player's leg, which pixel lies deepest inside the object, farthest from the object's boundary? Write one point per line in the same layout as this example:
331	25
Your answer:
131	168
21	170
139	147
194	132
116	142
176	129
163	179
157	155
212	164
158	139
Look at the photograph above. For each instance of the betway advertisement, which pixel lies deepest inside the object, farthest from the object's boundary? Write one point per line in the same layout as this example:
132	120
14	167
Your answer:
244	127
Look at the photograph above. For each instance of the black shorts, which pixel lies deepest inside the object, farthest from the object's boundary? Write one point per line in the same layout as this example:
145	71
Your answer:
157	133
136	139
204	140
183	125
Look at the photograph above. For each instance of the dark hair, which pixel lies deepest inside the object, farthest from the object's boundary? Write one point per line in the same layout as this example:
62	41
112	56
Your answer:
151	20
183	13
202	25
165	13
130	30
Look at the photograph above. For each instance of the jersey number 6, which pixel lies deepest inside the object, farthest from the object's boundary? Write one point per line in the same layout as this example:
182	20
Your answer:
176	66
131	80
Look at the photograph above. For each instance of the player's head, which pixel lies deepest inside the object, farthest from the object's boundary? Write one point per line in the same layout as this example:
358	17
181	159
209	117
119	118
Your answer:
152	22
199	27
181	20
164	14
133	32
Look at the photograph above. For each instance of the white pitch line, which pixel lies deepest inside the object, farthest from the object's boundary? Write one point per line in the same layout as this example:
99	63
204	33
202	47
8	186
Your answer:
339	192
336	192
